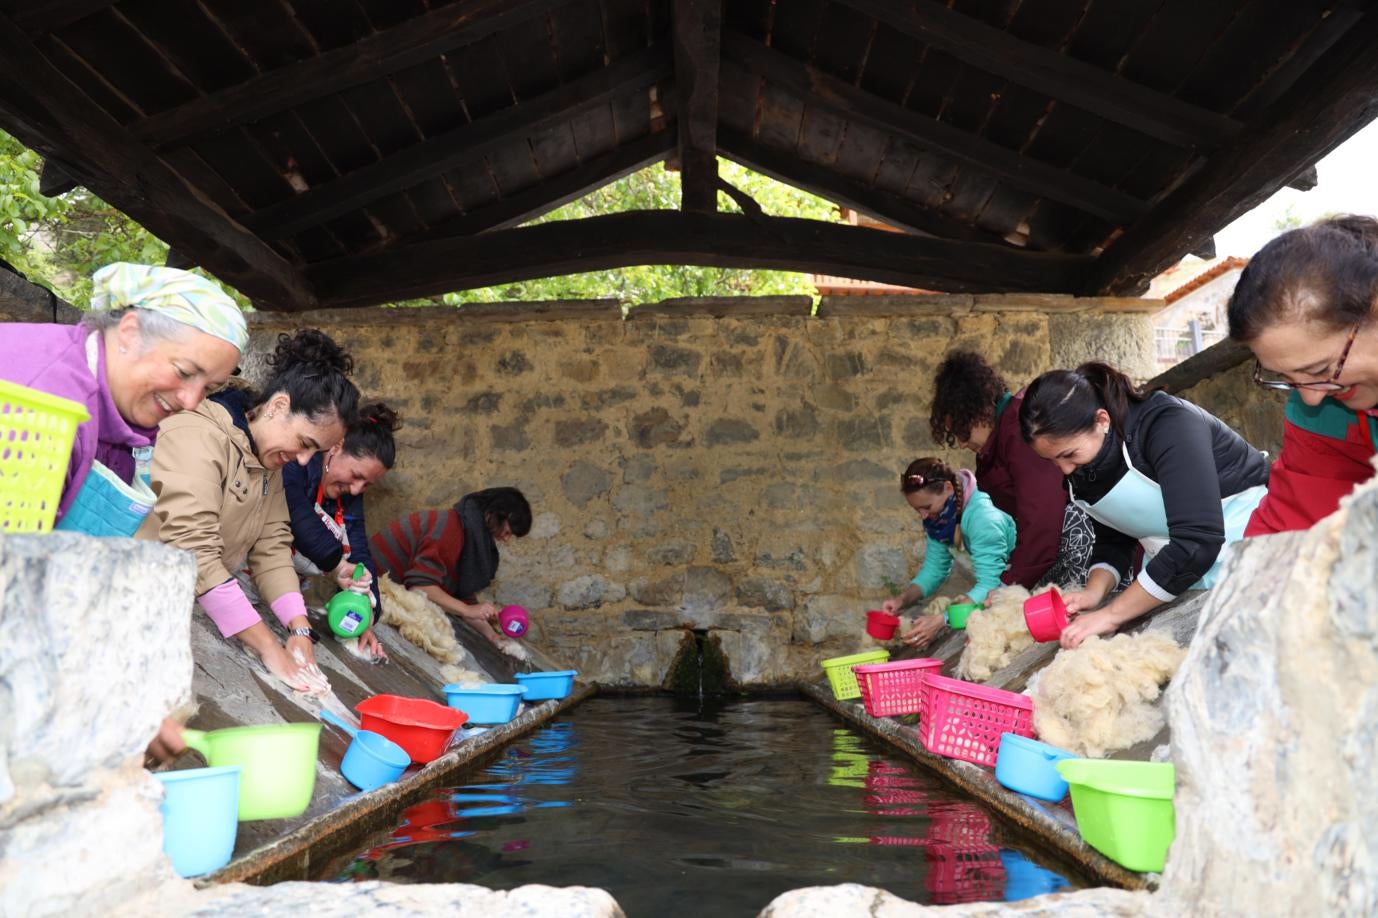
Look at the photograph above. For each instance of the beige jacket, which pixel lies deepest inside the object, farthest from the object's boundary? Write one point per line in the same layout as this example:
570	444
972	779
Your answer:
217	501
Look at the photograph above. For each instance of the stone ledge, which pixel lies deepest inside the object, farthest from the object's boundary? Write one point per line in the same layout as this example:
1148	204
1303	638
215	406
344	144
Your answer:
725	307
496	313
1050	823
24	301
942	304
294	856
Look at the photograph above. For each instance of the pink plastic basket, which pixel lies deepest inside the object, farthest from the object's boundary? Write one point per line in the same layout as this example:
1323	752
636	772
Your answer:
894	688
963	720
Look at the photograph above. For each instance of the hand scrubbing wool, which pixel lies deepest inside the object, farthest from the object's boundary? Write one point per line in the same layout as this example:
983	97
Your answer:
995	635
427	626
1100	698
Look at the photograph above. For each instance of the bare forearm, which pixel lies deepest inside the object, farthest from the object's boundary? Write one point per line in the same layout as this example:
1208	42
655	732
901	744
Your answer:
912	594
444	600
1130	604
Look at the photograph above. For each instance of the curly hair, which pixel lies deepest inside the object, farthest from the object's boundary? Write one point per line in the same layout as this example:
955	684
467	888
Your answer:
965	390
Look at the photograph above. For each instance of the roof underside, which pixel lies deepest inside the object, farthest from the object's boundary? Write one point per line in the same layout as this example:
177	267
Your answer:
319	153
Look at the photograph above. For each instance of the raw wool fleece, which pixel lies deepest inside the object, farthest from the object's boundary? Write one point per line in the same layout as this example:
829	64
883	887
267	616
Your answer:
427	626
995	634
1101	697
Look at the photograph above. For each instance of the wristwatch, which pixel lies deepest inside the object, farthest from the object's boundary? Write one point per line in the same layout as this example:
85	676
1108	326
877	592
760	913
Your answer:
306	633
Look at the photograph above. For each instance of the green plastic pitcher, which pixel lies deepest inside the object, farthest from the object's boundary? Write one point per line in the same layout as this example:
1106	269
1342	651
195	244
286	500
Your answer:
277	765
349	613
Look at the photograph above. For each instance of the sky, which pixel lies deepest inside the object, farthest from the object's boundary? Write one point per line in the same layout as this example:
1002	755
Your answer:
1348	184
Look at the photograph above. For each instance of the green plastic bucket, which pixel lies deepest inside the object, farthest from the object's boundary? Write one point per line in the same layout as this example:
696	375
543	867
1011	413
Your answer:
1124	809
277	765
958	613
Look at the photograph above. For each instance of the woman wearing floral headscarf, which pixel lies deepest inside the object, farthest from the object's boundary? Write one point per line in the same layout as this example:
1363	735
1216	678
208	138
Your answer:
155	342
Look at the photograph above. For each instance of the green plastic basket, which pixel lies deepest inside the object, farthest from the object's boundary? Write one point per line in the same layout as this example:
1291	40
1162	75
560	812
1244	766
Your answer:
1124	809
841	677
36	434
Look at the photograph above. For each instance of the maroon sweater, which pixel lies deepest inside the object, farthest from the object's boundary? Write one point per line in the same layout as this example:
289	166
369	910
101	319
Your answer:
1028	488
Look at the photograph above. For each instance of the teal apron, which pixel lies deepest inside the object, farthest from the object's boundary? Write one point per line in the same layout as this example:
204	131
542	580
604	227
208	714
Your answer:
105	505
1135	507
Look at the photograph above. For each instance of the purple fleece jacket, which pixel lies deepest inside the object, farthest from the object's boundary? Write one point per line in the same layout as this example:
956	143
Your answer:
52	359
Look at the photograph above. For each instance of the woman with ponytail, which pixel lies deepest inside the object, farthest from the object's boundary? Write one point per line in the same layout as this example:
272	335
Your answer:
325	498
956	515
1304	306
1147	468
217	474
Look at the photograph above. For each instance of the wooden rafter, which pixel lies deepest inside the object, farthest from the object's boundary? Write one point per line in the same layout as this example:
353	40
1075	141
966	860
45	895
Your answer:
53	181
412	42
667	237
1056	75
697	33
886	206
557	190
742	57
49	114
443	152
38	18
1321	110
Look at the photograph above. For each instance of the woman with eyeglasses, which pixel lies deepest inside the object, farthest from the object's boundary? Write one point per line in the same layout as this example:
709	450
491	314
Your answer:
1150	469
1303	307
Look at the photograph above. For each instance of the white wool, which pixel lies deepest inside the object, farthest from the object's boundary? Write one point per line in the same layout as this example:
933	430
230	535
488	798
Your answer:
514	649
1101	697
995	635
465	678
420	621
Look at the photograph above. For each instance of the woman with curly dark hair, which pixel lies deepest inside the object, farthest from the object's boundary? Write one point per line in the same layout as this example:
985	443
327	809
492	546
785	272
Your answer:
974	408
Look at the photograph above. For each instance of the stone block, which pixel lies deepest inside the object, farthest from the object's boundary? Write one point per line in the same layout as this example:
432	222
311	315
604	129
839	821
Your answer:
523	591
654	428
607	398
579	431
483	403
796	423
705	589
511	437
512	363
650	620
723	552
764	593
781	496
584	482
845	366
96	652
638	468
863	434
876	564
824	617
672	553
832	397
673	361
589	590
641	499
793	360
666	591
730	430
863	470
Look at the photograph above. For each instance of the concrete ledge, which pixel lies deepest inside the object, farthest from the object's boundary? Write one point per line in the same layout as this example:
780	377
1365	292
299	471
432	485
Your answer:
294	856
1049	823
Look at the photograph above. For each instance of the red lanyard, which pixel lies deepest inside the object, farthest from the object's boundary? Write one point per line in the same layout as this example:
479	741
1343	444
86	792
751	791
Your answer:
339	505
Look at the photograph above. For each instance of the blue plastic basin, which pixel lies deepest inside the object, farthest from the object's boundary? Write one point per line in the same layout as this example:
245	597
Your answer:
373	760
1029	767
200	817
486	704
544	686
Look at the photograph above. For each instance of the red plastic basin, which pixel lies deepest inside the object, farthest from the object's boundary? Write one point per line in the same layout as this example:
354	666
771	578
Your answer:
423	728
881	625
1046	615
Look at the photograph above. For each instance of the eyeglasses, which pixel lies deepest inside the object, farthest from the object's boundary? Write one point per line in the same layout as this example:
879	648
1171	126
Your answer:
1330	385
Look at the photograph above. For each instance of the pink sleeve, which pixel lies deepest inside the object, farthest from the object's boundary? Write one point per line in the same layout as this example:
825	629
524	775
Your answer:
229	608
287	607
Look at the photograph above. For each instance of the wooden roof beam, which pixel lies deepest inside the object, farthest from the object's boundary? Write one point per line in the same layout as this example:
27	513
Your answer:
887	206
1332	101
46	112
53	181
412	42
1045	71
668	237
443	152
556	190
40	18
697	35
852	103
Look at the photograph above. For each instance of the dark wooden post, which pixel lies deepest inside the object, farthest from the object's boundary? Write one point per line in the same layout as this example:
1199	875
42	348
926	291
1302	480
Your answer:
697	43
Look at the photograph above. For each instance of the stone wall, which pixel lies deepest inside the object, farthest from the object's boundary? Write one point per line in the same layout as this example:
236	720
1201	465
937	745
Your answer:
727	465
1232	396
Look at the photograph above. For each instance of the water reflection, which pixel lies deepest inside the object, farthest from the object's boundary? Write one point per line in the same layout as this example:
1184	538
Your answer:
712	809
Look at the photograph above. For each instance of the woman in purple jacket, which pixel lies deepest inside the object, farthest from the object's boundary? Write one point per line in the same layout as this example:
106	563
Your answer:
974	408
155	342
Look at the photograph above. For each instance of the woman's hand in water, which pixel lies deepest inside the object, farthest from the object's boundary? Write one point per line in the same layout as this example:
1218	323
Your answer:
923	630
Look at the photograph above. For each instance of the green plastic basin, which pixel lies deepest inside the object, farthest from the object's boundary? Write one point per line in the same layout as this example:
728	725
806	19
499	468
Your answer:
1124	809
277	765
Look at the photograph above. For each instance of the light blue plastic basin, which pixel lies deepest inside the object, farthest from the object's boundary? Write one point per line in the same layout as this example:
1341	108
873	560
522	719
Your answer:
1029	767
486	704
544	686
200	817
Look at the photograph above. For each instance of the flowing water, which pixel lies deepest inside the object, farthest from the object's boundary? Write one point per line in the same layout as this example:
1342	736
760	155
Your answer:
703	808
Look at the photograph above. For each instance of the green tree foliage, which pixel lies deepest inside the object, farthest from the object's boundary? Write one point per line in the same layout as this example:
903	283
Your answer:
656	188
60	241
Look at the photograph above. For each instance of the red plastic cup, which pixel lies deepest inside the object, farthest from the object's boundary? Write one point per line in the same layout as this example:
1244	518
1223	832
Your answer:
881	625
1046	615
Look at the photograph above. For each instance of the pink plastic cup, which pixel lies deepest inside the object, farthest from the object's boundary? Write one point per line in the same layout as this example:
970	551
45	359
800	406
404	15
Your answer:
513	621
881	625
1046	615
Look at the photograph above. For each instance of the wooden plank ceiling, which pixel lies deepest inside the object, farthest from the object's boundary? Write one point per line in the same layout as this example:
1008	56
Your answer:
326	153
